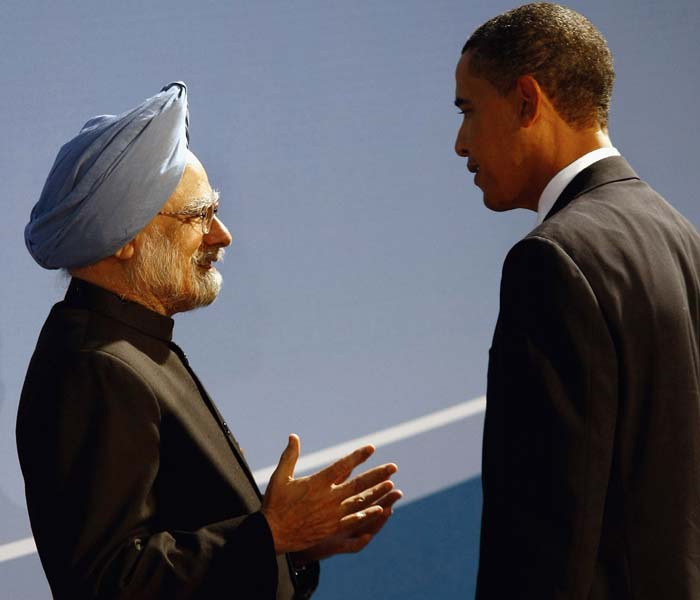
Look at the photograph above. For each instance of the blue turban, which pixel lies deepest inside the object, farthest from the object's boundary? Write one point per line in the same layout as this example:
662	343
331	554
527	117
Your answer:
109	181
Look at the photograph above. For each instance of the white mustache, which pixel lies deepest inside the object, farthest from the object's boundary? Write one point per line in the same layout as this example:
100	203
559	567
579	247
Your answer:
209	255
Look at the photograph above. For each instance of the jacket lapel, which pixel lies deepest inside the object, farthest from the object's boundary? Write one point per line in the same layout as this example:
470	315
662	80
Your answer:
608	170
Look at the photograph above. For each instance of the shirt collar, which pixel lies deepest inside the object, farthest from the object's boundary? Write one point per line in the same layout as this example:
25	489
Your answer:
87	295
556	185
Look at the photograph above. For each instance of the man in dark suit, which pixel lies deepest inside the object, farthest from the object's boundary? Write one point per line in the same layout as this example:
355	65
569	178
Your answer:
136	487
591	457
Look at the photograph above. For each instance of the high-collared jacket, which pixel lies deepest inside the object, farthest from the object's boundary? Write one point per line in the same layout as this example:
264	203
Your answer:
591	458
135	486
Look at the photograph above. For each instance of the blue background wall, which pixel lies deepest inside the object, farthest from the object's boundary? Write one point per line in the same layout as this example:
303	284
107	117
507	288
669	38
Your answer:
361	287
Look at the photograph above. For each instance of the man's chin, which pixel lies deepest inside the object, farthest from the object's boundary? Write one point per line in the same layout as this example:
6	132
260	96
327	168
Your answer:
488	198
211	287
497	204
203	292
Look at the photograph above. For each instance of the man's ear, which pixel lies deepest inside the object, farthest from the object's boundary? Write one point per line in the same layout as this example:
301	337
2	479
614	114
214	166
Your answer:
125	252
530	97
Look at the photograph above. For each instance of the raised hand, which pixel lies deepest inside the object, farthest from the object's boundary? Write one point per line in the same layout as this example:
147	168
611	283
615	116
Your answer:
354	539
303	512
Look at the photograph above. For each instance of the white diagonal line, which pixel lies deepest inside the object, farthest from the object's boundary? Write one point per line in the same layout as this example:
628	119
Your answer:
383	437
323	457
17	549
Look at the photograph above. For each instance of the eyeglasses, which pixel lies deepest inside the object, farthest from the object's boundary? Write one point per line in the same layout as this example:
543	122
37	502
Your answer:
206	214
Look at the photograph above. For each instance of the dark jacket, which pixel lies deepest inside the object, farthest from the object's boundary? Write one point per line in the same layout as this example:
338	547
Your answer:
591	461
135	486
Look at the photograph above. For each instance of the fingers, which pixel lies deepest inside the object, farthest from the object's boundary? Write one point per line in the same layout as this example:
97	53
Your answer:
288	460
340	470
388	500
356	520
367	479
366	498
373	524
303	512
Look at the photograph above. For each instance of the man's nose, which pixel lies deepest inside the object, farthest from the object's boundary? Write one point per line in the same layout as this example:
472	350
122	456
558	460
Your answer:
460	145
218	235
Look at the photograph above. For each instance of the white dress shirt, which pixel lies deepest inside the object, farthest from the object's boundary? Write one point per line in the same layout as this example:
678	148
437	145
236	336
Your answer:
557	184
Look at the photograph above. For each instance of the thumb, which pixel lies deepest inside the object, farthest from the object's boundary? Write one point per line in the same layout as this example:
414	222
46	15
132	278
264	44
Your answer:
288	460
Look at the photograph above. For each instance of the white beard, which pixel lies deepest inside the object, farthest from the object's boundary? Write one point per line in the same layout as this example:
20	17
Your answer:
161	271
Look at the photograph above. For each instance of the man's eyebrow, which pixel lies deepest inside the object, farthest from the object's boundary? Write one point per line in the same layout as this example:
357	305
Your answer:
198	203
460	102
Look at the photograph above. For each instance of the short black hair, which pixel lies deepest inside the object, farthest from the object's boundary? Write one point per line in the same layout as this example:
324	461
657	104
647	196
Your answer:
560	48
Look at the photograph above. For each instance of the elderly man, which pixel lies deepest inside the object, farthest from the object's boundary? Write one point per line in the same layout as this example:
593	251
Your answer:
136	487
591	458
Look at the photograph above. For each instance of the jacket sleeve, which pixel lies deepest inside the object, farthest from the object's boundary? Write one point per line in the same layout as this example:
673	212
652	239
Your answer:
549	430
90	456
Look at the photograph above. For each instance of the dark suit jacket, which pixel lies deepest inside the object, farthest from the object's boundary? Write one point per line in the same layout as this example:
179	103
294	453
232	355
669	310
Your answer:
591	460
135	486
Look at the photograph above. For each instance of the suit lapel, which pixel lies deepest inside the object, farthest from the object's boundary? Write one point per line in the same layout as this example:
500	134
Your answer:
607	170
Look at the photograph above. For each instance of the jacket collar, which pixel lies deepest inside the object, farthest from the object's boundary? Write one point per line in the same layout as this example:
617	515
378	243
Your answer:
607	170
82	294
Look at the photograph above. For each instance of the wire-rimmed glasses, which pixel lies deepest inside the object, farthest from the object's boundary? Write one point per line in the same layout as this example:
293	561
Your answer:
205	213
